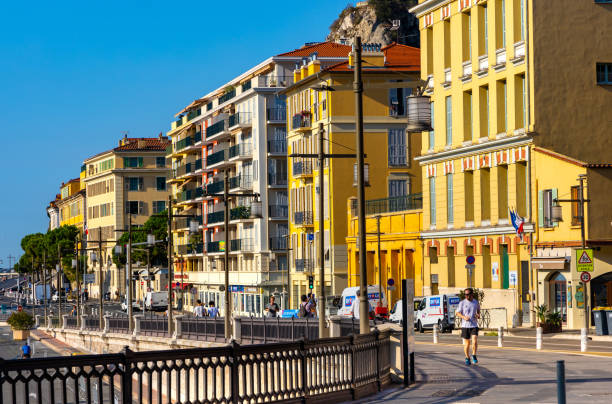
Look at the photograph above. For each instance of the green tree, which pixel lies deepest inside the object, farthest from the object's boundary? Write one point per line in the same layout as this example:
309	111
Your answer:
156	225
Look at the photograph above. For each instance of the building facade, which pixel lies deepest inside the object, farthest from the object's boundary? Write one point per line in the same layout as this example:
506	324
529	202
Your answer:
124	184
238	130
321	103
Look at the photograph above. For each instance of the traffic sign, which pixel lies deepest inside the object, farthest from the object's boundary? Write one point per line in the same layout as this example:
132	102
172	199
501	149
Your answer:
89	278
470	259
390	282
585	277
584	260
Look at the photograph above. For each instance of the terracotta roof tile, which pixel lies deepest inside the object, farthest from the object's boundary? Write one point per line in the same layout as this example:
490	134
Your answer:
323	49
397	57
143	143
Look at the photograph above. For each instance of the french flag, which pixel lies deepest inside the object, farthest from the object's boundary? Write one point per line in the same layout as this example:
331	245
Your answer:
86	231
517	223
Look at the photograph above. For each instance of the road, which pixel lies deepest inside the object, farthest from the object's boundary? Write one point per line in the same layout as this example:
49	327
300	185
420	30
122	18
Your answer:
10	349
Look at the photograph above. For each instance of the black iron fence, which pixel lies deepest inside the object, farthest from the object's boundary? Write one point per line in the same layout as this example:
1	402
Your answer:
203	328
119	324
331	369
92	323
155	326
72	322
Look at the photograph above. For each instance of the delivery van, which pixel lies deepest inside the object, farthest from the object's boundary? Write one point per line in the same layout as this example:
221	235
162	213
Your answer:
397	316
350	294
156	301
437	311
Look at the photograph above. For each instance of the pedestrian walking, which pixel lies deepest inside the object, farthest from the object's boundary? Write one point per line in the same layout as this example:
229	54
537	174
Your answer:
468	311
355	307
312	302
26	350
272	308
198	310
73	312
304	310
212	310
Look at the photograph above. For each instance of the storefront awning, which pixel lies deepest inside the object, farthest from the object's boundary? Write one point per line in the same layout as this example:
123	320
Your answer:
549	262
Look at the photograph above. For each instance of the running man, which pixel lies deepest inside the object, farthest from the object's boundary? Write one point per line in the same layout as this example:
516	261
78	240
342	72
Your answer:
468	311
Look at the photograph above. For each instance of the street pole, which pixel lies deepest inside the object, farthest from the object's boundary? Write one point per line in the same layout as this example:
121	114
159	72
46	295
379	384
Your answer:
45	281
78	299
128	277
364	322
170	275
60	282
100	280
583	237
379	262
322	328
226	213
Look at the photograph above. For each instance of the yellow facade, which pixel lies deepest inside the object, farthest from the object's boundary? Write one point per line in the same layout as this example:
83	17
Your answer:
308	112
401	249
71	206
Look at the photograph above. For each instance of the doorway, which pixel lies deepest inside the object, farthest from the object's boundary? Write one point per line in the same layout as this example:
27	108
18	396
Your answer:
558	294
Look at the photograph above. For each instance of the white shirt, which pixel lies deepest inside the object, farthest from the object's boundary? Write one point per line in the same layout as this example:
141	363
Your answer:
355	308
198	311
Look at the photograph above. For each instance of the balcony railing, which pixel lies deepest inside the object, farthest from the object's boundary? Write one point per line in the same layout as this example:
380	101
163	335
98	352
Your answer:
213	247
304	265
277	146
215	128
243	244
240	118
214	188
281	211
188	168
184	143
240	212
241	181
300	121
215	217
302	218
241	150
194	113
302	168
191	248
277	180
189	194
227	96
183	222
275	81
246	86
393	204
276	114
215	158
278	243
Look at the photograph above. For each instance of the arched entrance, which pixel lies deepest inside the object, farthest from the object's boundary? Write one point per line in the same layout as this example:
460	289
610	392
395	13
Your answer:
601	291
558	294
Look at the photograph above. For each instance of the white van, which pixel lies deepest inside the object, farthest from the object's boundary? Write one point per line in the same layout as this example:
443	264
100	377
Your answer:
397	316
156	301
437	311
350	294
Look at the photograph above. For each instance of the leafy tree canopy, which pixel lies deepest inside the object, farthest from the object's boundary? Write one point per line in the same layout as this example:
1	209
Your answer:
156	225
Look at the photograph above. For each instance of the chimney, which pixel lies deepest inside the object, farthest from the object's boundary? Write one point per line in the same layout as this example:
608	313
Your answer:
297	73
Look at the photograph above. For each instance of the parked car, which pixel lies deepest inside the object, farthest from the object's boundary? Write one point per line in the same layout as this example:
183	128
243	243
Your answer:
437	311
397	316
156	301
135	306
349	295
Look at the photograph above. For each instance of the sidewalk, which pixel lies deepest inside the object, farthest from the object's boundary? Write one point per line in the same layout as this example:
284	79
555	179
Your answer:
11	349
57	346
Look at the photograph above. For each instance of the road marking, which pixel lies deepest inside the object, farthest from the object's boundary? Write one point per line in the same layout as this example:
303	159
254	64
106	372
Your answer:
589	353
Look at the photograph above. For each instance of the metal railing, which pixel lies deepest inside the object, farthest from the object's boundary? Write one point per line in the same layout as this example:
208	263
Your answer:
246	86
155	326
276	114
120	324
190	248
214	188
241	150
302	218
71	322
278	243
183	222
331	369
227	96
241	181
393	204
240	212
215	217
304	265
194	113
242	244
281	211
203	328
277	179
302	168
189	194
239	118
92	324
215	158
277	146
215	129
213	247
300	121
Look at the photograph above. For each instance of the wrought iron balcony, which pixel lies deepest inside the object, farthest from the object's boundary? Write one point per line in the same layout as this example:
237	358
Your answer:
276	180
240	119
215	158
241	150
393	204
213	247
246	86
191	248
227	96
278	211
241	181
194	113
240	213
215	217
302	218
188	168
215	129
278	243
277	146
242	244
303	265
214	188
301	121
183	222
189	194
302	168
278	114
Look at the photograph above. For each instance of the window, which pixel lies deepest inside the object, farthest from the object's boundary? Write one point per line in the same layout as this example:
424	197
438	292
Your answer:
133	207
522	19
469	196
132	162
447	44
467	116
449	121
449	198
160	162
603	1
500	15
397	101
429	53
398	187
432	133
161	183
502	114
432	200
520	108
135	183
466	36
397	148
604	73
159	206
485	194
502	192
484	111
521	189
483	27
545	202
575	192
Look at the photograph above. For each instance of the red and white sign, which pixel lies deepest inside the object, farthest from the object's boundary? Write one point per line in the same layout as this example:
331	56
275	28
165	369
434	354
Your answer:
585	277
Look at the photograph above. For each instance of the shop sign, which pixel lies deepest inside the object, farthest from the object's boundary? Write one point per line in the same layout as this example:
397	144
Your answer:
250	290
236	288
584	260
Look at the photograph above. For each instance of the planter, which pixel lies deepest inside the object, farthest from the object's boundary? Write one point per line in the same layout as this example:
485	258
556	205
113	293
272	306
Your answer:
20	335
549	328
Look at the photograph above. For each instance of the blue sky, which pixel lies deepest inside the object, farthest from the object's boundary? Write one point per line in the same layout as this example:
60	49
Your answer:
75	75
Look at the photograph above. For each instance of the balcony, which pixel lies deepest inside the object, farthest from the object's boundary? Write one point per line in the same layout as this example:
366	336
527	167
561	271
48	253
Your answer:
242	244
393	204
277	180
227	96
519	53
302	168
180	223
304	265
246	86
277	147
240	213
215	247
194	114
241	182
216	131
240	119
447	78
500	59
214	188
274	81
301	121
189	195
186	249
241	151
215	217
278	243
215	158
467	71
302	218
276	115
278	211
483	65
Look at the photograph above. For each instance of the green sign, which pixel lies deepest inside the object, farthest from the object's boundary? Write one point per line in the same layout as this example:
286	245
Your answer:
584	260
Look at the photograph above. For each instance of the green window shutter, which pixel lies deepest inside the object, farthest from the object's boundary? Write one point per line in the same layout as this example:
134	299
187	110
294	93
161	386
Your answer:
541	208
140	162
554	196
125	162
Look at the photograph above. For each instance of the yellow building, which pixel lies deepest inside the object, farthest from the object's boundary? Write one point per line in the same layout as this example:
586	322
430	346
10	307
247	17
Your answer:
399	222
71	205
494	69
388	147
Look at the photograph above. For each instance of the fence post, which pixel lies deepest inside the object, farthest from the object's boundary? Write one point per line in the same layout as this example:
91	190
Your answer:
126	377
539	338
377	344
83	321
64	321
304	360
177	326
353	372
234	348
106	324
500	337
137	320
252	329
264	331
292	329
238	329
435	334
37	317
50	321
584	338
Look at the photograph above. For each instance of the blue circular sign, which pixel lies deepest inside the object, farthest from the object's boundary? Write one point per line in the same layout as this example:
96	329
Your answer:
390	282
470	259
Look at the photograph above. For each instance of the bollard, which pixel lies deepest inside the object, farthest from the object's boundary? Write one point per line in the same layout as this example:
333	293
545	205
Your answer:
539	338
561	382
500	337
584	338
435	334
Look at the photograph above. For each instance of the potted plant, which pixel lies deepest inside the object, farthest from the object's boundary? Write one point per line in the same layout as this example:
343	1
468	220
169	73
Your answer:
550	321
21	323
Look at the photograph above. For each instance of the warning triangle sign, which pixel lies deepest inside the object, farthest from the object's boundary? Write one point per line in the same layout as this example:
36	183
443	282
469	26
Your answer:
584	258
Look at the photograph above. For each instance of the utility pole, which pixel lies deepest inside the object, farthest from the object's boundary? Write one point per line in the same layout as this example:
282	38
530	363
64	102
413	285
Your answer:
379	263
128	277
45	281
322	329
583	237
76	250
170	275
364	321
226	213
60	282
100	280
